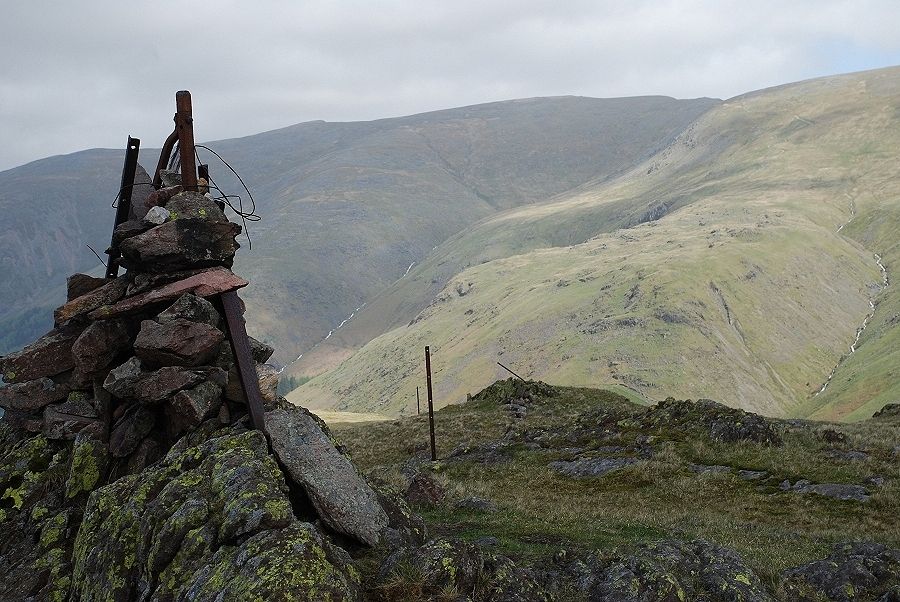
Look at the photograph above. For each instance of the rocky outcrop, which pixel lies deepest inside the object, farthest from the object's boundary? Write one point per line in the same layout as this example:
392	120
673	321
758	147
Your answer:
344	500
212	519
853	571
669	570
718	421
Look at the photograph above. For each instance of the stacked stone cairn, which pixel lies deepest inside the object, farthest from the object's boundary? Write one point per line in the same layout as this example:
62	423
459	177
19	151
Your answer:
129	466
142	358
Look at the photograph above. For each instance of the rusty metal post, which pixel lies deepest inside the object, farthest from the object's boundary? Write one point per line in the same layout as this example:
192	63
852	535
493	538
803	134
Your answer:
164	154
123	205
240	345
184	126
418	405
430	401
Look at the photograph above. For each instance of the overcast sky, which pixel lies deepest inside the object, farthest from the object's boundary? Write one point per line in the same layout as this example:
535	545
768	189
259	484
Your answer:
85	74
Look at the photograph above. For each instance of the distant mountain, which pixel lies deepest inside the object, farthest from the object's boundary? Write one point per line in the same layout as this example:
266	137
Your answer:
741	263
346	207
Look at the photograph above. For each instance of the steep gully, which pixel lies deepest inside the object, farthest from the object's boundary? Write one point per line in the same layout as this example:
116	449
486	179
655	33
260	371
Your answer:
884	284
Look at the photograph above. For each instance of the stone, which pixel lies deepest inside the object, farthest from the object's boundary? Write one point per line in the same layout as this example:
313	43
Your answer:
203	284
109	293
752	475
90	461
130	429
268	383
195	205
709	468
122	380
261	352
99	344
127	229
148	452
140	192
210	520
837	491
32	395
183	243
193	406
159	198
48	356
496	452
719	422
342	498
81	284
65	420
424	490
178	342
155	387
157	215
591	467
26	421
476	504
674	570
193	308
452	565
143	282
853	571
889	410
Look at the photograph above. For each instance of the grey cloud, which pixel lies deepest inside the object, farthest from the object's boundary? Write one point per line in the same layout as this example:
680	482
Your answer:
79	75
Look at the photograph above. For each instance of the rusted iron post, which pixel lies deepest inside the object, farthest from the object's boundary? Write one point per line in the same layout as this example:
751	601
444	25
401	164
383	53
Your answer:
418	406
240	345
164	155
430	401
184	126
510	371
123	204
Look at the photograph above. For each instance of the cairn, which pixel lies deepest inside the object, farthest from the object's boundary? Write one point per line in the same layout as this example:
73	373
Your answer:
137	360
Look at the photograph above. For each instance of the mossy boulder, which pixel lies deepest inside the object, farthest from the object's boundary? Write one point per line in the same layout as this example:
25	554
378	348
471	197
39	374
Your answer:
853	571
674	570
212	517
717	421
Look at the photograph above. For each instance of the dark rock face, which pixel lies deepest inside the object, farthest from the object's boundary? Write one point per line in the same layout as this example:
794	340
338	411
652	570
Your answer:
121	380
891	410
162	384
211	521
719	421
33	395
853	571
674	570
48	356
343	499
99	344
178	342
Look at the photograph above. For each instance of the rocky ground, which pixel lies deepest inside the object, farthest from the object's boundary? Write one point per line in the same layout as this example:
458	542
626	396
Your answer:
590	497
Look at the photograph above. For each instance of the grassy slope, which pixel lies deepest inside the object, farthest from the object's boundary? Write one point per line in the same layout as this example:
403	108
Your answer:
540	511
346	207
743	292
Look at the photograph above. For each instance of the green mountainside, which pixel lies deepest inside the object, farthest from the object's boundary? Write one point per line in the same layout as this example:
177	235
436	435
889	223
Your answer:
736	264
345	207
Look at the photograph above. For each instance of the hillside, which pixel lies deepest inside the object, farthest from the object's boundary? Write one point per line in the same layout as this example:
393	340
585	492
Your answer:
718	268
345	207
606	500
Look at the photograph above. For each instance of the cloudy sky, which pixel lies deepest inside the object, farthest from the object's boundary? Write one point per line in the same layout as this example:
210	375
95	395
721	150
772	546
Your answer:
78	75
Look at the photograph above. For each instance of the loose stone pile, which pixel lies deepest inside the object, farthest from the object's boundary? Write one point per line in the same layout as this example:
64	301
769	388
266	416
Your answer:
129	467
139	359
